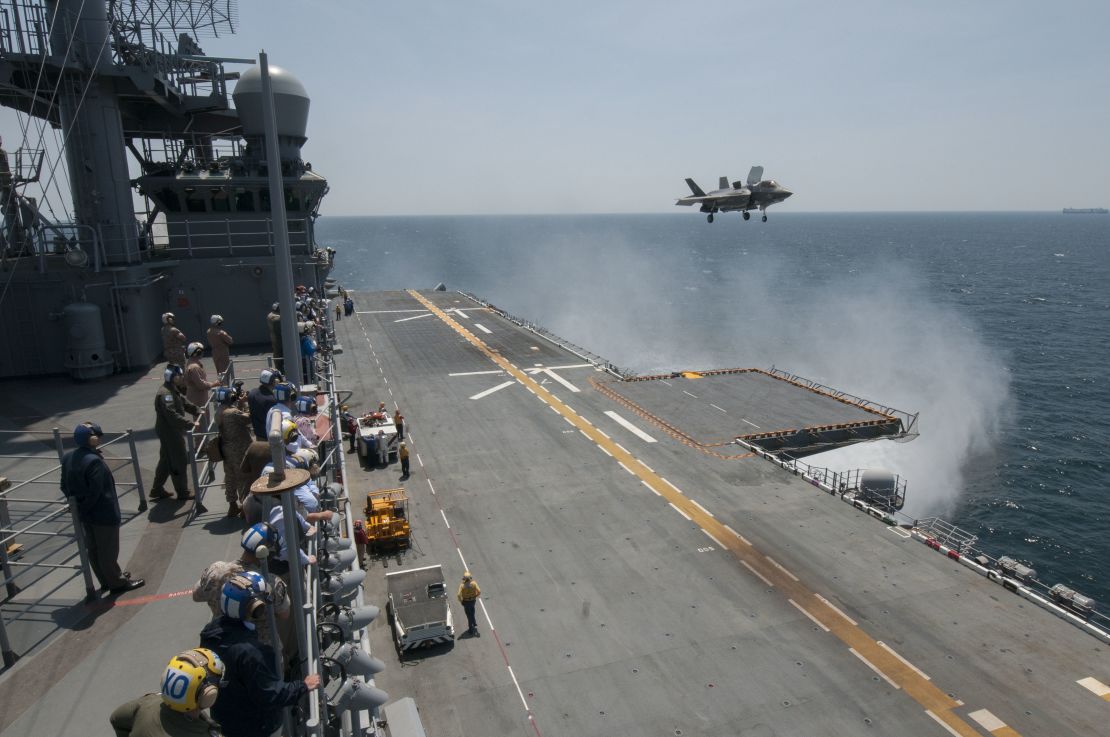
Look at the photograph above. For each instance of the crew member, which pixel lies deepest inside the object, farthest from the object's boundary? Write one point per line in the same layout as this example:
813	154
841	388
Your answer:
87	480
383	449
219	340
468	596
234	436
197	384
403	454
304	414
399	423
261	399
252	700
273	321
171	410
190	686
173	340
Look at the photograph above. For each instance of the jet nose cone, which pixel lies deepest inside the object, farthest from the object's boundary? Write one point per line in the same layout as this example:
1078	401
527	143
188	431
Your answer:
785	192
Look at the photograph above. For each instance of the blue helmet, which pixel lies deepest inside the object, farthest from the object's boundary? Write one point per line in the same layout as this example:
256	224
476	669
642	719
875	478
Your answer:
84	431
285	392
226	395
305	405
244	596
261	535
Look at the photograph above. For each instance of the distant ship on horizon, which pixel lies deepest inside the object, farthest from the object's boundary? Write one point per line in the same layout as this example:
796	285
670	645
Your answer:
1085	211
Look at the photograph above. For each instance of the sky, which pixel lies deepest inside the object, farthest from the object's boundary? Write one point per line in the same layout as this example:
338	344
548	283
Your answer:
509	106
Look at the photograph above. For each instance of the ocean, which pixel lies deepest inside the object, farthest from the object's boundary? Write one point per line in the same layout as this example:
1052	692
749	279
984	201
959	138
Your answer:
995	327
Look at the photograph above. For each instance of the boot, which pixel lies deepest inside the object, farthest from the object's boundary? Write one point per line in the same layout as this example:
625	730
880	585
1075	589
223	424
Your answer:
233	510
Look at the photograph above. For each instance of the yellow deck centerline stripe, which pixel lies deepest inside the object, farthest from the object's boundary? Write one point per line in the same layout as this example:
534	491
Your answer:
812	618
929	696
873	667
917	670
672	506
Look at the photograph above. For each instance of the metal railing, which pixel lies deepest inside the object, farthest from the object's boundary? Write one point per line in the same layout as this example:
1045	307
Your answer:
40	531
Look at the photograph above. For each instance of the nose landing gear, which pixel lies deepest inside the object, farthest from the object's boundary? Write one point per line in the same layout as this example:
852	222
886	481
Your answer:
709	217
764	218
747	215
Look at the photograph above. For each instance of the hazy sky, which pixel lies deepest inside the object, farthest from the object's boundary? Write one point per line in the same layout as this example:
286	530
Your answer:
509	106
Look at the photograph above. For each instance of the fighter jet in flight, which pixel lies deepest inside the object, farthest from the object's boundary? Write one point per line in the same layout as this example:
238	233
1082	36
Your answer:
755	194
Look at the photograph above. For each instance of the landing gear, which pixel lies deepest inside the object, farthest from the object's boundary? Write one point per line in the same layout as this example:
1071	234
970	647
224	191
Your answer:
765	218
747	215
709	217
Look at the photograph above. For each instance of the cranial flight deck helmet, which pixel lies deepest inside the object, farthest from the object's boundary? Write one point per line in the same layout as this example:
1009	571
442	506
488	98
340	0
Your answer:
216	319
167	318
84	431
192	680
226	395
172	370
261	539
285	392
244	597
305	405
267	376
194	349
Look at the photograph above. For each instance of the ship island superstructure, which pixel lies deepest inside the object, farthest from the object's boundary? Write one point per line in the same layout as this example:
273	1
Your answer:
654	554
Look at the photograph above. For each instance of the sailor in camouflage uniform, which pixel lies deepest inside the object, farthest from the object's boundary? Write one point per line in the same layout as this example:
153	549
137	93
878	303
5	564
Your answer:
172	421
173	340
233	422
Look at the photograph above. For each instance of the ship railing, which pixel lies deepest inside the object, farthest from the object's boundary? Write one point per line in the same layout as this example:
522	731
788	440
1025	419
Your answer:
24	28
42	542
542	332
215	237
907	420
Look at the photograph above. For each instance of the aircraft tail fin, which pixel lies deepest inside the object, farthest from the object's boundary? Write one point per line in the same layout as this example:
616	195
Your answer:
694	187
722	183
755	174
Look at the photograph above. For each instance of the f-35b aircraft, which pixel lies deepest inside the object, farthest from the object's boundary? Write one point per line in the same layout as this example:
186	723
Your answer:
755	194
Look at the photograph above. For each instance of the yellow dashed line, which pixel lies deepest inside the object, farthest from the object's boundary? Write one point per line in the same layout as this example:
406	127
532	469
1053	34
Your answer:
937	703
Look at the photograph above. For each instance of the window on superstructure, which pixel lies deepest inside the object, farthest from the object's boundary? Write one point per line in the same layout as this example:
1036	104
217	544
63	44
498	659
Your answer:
292	201
194	203
220	201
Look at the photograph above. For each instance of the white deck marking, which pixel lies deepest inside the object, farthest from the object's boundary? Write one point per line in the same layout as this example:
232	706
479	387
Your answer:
568	421
812	618
701	508
623	449
491	390
430	485
444	515
626	468
720	408
688	517
781	567
871	665
1095	686
483	328
757	427
562	381
695	396
719	543
384	312
606	452
460	313
629	426
668	483
987	720
758	575
905	662
942	723
467	568
603	433
647	466
664	381
418	459
512	675
476	373
414	317
585	435
738	535
832	606
653	489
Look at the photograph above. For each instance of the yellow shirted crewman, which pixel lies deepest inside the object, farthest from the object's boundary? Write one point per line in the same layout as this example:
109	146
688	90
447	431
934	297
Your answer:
468	595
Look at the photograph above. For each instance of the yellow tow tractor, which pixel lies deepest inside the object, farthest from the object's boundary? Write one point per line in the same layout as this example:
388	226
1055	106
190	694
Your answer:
387	520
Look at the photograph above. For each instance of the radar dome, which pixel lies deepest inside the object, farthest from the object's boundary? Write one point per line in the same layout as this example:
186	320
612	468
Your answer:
290	102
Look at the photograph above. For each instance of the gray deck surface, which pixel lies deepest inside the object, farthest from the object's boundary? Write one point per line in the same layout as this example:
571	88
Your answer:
620	617
614	614
717	408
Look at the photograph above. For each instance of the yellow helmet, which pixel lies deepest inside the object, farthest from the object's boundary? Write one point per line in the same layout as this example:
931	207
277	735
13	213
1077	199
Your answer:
288	431
192	680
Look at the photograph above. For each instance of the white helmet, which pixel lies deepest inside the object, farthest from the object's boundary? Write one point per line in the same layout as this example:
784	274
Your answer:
194	349
167	318
216	319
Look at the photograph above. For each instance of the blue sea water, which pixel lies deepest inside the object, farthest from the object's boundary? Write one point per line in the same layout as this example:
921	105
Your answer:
993	326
